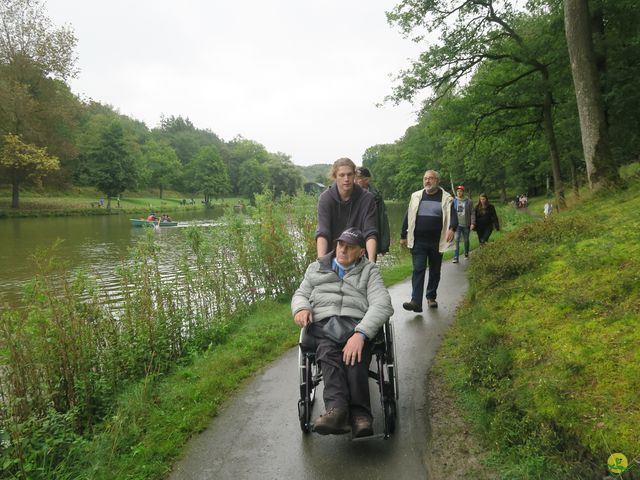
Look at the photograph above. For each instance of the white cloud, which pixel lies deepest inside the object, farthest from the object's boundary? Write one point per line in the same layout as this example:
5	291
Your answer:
299	77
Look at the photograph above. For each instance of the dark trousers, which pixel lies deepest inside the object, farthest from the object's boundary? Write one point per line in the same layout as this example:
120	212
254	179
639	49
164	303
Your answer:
425	253
483	233
345	386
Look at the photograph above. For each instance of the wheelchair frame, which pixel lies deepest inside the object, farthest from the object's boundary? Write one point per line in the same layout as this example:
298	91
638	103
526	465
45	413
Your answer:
385	376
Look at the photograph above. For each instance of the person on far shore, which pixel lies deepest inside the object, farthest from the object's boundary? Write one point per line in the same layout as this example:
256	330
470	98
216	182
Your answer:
466	222
548	208
343	205
486	219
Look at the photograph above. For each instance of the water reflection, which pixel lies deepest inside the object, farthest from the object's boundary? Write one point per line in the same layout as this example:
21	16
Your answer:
96	244
99	245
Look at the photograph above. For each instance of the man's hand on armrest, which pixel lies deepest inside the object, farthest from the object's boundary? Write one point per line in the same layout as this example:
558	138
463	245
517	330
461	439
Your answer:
303	318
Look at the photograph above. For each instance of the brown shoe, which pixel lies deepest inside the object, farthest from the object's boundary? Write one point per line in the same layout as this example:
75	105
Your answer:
412	306
334	422
361	427
432	303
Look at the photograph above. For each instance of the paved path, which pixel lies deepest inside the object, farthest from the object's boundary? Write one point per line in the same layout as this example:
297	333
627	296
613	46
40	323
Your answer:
257	436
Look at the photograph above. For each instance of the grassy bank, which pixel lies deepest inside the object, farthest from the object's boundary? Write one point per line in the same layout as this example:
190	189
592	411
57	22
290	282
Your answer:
544	356
155	418
146	426
87	201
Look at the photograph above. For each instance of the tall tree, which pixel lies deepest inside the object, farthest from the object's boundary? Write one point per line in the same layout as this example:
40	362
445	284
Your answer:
20	163
161	165
112	164
241	150
284	177
207	173
601	169
254	178
27	33
35	59
473	32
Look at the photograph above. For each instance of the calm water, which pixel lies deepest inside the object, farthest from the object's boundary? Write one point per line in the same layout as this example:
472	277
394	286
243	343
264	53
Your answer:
96	244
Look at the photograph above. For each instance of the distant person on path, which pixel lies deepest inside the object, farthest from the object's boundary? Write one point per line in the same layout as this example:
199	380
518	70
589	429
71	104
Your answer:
486	219
363	178
428	230
548	209
466	221
345	204
343	302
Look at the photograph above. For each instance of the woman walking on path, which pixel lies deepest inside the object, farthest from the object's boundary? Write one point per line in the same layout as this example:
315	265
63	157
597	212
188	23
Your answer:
486	219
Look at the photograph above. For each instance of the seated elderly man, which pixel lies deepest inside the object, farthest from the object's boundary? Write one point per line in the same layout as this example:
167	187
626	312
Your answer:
343	303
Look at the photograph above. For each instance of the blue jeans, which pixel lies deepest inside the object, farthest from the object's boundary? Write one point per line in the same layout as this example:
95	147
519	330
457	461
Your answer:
424	253
464	232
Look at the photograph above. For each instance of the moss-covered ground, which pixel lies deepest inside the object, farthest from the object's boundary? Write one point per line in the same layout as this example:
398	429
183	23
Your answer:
544	356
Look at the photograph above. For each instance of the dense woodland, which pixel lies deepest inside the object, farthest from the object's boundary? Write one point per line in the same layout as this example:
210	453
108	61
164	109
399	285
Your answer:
502	115
49	135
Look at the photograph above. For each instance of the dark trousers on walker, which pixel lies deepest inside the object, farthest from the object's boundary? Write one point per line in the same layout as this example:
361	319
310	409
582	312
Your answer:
345	386
425	252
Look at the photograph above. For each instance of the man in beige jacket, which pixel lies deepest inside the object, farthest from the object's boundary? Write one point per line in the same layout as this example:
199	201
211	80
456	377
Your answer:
428	230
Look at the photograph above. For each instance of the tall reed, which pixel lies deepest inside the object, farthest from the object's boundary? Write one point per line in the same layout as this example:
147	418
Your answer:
70	350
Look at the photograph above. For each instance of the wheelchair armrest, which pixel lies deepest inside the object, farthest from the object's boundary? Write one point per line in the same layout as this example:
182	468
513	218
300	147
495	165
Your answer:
308	343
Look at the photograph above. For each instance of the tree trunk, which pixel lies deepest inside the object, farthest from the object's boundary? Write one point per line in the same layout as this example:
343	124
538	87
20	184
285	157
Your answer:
601	169
547	115
160	191
15	194
108	202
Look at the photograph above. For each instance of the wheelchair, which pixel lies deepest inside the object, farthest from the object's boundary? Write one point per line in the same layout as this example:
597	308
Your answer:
385	375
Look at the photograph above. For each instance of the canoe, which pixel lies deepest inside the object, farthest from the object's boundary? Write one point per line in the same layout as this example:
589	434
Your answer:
136	222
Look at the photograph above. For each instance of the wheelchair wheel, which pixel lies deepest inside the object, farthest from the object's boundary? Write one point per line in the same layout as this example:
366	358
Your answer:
389	382
390	415
308	373
391	361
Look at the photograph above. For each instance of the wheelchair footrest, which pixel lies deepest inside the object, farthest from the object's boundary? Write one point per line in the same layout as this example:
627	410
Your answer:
370	437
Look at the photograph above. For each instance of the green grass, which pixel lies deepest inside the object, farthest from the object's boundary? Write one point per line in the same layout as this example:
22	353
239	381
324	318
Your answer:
544	357
154	419
85	201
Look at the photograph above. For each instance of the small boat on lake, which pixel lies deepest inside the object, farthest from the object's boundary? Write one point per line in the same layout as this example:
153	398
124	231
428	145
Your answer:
141	222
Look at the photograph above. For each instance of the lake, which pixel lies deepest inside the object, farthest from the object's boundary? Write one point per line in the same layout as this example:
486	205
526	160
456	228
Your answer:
94	243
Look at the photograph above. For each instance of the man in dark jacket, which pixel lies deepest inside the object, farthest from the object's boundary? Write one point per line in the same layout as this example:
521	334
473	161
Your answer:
344	204
363	178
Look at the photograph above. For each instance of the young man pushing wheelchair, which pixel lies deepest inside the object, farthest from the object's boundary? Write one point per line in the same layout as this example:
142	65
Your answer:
343	302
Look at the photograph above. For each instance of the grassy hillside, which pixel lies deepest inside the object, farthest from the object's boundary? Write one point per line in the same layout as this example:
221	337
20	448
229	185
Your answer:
545	356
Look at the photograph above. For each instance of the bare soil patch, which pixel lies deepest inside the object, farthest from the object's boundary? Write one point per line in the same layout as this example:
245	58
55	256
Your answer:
453	450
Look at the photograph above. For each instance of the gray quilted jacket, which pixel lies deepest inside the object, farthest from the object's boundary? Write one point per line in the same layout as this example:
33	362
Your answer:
360	294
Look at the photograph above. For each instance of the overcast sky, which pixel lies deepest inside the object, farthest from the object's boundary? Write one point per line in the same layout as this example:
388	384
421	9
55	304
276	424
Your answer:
297	76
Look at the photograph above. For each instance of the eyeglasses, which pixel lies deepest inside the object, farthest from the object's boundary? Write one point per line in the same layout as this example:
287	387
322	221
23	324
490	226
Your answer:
430	178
